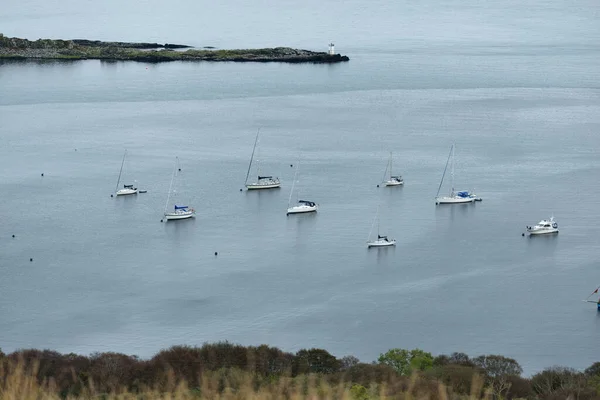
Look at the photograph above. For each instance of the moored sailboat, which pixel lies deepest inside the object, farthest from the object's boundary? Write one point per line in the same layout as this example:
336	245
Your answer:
382	240
392	180
179	212
455	197
263	182
303	206
126	189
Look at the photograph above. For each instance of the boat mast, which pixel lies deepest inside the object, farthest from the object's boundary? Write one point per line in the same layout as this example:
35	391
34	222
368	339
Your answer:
252	156
120	171
386	170
373	224
293	184
452	169
390	165
171	185
444	174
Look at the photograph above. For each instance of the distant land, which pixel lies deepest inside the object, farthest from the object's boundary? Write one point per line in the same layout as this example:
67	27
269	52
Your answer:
83	49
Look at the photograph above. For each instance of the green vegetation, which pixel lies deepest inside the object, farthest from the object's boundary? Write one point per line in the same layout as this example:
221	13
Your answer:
228	371
120	51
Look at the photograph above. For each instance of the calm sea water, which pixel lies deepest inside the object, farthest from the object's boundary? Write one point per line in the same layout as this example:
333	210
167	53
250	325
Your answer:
513	85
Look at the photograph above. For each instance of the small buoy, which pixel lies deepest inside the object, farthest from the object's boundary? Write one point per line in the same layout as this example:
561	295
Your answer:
377	185
240	190
161	220
216	253
13	235
291	165
75	149
42	174
179	169
111	195
31	259
522	234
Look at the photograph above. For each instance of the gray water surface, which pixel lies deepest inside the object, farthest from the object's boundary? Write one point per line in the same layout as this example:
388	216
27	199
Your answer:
514	86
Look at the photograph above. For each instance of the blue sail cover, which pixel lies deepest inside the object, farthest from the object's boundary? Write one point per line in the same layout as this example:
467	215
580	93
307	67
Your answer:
180	207
463	194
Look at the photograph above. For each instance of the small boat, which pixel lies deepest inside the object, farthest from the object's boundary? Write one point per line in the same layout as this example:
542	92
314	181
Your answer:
263	182
455	197
303	206
179	212
127	189
543	227
392	180
382	240
597	302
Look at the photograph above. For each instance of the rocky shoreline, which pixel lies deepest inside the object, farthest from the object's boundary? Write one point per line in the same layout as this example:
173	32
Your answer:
83	49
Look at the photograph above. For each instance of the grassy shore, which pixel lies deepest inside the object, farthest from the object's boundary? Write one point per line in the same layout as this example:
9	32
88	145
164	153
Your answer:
23	49
228	371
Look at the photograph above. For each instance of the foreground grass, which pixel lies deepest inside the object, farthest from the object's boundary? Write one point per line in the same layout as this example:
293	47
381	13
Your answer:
18	383
228	371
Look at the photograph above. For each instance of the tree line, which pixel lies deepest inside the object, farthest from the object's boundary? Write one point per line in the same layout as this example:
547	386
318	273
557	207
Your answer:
395	371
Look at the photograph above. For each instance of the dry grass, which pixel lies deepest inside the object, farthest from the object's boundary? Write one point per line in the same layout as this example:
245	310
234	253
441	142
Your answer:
232	384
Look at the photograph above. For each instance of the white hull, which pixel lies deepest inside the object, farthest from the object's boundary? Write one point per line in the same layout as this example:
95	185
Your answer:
544	227
257	186
179	215
454	200
382	243
302	209
125	192
393	183
542	231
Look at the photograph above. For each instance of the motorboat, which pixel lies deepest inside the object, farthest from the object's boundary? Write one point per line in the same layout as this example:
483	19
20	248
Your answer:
545	226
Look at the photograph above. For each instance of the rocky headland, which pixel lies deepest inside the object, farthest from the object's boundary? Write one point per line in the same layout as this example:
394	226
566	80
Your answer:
83	49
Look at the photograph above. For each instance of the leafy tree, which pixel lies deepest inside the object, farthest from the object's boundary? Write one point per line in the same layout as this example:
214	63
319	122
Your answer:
499	370
496	366
405	361
460	359
592	370
348	362
315	361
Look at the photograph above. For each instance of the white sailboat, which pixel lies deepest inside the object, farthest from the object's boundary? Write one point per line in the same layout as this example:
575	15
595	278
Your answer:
263	182
392	180
455	197
382	240
127	189
303	206
179	212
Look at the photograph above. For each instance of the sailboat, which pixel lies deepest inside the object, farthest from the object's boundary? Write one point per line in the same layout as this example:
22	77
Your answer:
382	240
179	212
303	206
392	180
597	302
127	189
455	197
263	182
